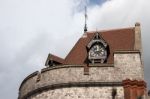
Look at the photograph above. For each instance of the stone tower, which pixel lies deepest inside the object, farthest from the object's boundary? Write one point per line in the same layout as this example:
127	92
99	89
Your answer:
102	65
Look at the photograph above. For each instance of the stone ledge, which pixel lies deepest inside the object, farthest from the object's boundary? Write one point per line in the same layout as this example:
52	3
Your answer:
126	51
77	66
60	66
101	65
28	77
71	84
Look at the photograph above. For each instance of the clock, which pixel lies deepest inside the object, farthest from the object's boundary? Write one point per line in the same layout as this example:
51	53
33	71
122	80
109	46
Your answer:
97	49
97	53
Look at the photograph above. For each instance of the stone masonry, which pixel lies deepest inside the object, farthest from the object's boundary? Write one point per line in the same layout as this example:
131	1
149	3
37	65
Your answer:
127	64
121	79
79	93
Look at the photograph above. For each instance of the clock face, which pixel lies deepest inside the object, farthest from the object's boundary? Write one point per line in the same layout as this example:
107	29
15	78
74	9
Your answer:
97	52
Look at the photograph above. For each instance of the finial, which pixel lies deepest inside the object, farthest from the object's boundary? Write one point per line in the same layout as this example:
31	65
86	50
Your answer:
85	14
137	24
96	29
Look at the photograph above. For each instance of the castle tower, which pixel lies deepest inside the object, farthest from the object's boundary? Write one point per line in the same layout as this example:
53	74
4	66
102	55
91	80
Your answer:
102	65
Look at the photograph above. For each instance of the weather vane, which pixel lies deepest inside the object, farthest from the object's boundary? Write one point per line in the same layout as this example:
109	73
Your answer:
85	14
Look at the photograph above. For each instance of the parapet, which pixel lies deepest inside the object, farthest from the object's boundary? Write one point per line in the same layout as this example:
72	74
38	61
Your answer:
63	76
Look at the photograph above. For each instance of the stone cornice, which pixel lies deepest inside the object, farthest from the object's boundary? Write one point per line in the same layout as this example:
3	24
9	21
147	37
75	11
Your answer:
126	51
75	66
28	77
101	65
61	66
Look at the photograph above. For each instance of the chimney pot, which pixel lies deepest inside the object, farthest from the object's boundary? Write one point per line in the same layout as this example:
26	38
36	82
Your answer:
137	24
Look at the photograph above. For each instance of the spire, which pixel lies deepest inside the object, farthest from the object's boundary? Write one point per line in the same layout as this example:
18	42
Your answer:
85	14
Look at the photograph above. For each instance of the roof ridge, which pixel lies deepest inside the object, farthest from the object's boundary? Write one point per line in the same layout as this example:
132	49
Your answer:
117	29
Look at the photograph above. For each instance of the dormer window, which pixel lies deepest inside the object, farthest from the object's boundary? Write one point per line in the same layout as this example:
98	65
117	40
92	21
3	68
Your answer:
53	60
97	52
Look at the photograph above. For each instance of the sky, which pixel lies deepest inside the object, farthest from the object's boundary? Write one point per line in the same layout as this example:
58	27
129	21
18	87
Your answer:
30	29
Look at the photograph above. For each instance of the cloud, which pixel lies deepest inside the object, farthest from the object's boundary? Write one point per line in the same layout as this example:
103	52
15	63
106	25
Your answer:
124	13
30	29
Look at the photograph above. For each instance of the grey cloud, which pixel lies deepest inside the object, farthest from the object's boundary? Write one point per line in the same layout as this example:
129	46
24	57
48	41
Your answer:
125	13
31	29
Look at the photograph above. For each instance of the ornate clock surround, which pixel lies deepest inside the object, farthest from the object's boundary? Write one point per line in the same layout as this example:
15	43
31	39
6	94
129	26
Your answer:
97	50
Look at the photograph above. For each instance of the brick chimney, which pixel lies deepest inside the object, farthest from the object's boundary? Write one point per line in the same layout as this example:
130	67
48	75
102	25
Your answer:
134	89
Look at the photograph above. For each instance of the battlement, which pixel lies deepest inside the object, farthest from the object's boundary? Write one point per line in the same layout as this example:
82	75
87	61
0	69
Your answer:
127	64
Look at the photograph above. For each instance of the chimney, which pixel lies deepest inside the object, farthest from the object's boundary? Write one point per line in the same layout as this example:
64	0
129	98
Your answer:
137	42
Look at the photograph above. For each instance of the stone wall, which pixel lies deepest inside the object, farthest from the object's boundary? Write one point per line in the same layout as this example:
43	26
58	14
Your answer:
127	64
80	93
70	75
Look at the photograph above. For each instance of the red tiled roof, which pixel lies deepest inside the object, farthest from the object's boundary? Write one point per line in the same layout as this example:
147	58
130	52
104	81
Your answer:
54	58
119	39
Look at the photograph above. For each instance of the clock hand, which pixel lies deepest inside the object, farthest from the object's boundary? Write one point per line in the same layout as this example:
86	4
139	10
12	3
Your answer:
96	48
